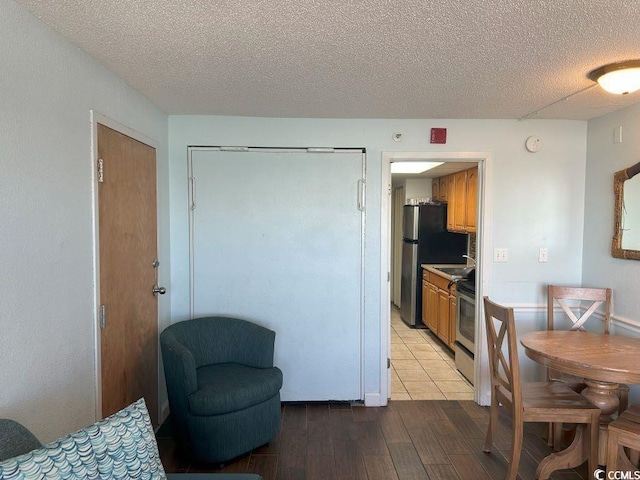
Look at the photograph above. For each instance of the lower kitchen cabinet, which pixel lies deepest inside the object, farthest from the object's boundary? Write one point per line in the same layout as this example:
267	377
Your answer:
439	306
453	312
430	306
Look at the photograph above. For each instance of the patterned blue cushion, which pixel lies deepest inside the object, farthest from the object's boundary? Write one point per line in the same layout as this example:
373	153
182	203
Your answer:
118	447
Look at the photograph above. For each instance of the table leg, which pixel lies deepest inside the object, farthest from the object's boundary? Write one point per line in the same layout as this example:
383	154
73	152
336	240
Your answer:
603	396
572	456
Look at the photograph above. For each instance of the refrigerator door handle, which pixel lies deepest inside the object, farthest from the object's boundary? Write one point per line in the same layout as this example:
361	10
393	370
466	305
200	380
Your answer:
361	194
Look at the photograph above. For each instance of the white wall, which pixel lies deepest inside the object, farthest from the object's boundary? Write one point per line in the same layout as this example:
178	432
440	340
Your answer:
47	89
604	158
535	199
600	269
417	188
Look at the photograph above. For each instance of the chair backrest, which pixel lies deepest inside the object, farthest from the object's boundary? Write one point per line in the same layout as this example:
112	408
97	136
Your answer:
214	340
15	439
596	297
504	366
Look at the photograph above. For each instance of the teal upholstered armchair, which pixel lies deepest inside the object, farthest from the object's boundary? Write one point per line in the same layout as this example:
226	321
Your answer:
224	392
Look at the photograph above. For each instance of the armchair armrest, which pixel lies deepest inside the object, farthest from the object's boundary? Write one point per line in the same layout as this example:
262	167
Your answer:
180	373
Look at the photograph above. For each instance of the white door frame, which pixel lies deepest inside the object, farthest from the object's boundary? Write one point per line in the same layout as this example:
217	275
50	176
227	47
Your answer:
95	119
483	238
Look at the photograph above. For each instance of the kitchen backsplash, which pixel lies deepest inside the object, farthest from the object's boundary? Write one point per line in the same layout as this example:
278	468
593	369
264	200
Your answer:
472	245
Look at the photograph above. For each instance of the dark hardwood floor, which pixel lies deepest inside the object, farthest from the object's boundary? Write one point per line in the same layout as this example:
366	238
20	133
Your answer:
407	440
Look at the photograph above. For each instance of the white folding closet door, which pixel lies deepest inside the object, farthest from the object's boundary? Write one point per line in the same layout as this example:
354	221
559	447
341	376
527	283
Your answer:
277	240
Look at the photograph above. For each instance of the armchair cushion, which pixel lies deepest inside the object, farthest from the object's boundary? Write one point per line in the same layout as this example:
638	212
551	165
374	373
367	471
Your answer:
229	387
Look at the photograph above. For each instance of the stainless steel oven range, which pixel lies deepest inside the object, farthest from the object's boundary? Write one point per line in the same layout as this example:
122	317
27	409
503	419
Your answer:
465	328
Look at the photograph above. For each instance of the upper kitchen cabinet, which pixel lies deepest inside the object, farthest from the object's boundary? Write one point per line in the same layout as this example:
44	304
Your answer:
439	188
458	204
435	189
444	187
472	200
460	191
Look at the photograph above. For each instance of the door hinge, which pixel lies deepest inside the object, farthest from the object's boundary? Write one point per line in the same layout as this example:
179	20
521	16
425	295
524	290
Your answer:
390	190
192	183
100	170
361	194
388	276
388	363
102	316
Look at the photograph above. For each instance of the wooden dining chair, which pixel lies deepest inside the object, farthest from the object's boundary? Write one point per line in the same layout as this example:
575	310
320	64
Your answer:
624	434
591	299
529	402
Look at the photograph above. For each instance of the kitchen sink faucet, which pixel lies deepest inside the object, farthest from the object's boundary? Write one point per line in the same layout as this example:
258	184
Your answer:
472	259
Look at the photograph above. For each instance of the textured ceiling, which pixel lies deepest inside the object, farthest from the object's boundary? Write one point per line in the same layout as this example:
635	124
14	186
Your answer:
358	58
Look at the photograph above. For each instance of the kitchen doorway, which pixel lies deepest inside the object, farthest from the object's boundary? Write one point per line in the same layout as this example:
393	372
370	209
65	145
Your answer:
422	365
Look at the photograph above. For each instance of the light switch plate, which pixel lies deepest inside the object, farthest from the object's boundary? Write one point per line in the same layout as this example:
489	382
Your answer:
500	255
543	255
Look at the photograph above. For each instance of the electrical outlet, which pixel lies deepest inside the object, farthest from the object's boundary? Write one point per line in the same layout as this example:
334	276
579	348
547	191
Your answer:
500	255
543	255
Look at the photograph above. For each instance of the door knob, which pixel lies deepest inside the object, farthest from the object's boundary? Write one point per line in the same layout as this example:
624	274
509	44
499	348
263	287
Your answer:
158	290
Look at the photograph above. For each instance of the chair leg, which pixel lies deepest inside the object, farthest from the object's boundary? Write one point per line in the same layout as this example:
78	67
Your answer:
493	420
516	450
594	431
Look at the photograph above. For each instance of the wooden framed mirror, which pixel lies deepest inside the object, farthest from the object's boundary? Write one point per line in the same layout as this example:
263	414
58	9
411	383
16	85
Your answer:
626	229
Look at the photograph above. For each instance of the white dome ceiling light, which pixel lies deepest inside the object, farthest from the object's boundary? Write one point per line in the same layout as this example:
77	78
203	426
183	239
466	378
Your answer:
618	78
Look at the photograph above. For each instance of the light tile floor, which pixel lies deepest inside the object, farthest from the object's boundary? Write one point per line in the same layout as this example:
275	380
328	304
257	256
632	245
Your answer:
422	368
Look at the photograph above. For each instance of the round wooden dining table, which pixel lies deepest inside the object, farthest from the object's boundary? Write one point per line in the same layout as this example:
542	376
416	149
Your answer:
603	361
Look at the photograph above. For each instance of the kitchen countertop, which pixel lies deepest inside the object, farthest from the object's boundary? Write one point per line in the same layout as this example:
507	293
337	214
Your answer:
432	268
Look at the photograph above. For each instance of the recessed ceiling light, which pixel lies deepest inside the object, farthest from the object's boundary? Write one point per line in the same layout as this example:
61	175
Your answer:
413	167
620	78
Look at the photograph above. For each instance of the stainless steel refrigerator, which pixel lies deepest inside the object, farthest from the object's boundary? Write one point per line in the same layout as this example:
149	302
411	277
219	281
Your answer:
425	239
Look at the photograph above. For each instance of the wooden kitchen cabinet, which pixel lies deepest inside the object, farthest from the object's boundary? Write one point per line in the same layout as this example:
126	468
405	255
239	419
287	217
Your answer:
438	311
453	313
443	316
471	213
435	189
431	319
450	200
459	201
461	195
443	188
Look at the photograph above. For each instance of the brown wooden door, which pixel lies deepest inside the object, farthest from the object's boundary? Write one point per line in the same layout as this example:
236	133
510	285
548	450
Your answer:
128	250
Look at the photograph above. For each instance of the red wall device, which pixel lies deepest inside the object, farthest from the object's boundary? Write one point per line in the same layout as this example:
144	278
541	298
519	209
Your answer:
438	135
